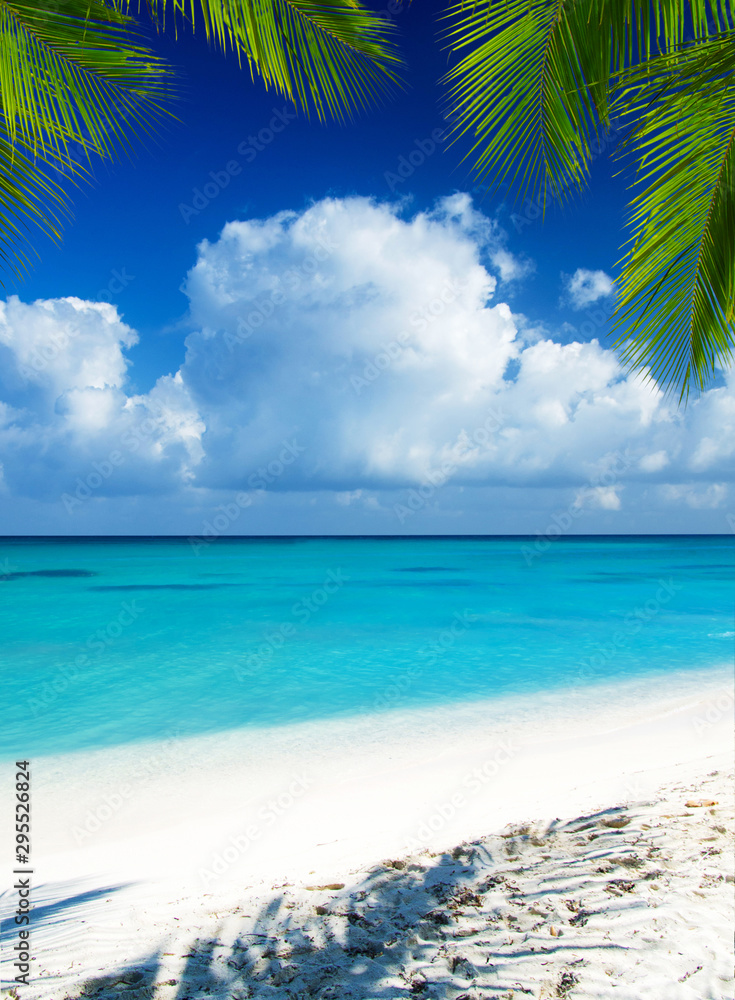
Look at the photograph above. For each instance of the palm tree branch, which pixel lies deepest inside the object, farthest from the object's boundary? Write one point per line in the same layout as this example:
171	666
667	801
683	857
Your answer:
677	285
330	55
524	92
495	86
27	196
69	78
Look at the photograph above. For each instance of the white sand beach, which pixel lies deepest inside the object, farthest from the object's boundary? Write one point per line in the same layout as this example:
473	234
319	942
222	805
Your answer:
544	847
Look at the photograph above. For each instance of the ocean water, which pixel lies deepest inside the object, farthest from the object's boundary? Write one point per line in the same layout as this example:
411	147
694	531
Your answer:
113	641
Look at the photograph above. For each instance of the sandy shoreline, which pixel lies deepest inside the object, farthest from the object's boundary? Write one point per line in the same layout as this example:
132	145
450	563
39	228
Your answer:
141	862
631	902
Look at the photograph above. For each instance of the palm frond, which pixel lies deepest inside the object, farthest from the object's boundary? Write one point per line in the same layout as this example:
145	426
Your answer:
332	56
75	73
510	94
27	198
74	81
677	288
534	90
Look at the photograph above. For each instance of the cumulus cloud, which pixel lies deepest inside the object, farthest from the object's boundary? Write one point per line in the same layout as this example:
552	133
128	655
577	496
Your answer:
66	412
603	497
586	287
510	266
347	350
653	462
366	336
711	497
376	342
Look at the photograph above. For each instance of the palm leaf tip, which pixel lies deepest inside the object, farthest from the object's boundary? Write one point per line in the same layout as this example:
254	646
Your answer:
522	93
74	73
75	81
330	57
677	288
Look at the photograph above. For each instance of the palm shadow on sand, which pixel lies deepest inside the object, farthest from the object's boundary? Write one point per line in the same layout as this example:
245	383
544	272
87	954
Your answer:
455	926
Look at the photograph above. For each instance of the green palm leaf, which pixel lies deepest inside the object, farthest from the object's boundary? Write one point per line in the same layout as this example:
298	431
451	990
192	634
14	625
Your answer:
520	93
26	196
535	87
75	80
677	288
74	73
542	77
330	55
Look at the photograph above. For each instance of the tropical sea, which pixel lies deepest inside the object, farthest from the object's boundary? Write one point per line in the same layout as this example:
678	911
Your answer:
112	641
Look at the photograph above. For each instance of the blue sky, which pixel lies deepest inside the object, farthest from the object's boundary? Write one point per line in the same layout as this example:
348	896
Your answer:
166	259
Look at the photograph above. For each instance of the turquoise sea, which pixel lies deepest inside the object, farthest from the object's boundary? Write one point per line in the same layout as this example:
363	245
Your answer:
110	641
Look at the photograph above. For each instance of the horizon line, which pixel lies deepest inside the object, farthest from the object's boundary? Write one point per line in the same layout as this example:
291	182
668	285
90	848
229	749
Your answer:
265	537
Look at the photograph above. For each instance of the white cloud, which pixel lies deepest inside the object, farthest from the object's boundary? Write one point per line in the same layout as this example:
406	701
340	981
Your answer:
382	352
67	413
66	344
700	499
586	287
602	497
348	497
510	266
343	351
654	462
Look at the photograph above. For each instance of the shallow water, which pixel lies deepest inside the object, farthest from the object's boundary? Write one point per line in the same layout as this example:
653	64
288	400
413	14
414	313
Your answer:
112	641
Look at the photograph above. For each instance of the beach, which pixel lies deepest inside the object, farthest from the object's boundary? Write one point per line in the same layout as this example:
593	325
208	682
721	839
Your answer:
528	847
367	577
